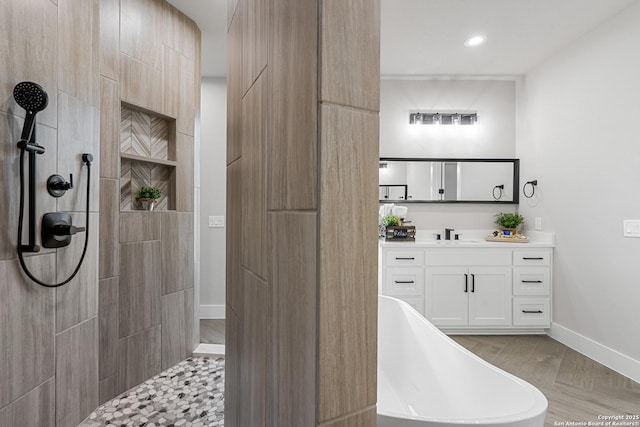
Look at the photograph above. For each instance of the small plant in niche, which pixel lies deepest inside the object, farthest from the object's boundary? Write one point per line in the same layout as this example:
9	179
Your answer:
152	193
148	196
509	221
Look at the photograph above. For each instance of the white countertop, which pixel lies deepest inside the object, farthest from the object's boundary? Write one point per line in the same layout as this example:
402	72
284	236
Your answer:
472	239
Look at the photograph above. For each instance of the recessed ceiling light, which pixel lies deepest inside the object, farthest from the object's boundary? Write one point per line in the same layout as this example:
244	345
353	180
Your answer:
475	41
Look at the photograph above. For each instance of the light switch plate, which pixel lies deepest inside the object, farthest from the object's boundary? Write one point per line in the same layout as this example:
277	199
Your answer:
631	228
216	222
538	223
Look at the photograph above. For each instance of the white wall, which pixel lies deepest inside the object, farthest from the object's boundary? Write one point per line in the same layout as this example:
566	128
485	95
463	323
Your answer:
493	136
213	185
579	136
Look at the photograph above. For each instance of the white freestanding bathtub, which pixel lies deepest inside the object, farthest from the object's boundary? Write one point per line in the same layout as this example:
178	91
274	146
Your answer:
427	379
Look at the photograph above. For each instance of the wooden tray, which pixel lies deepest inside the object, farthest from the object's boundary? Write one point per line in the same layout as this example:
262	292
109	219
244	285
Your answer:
400	233
506	239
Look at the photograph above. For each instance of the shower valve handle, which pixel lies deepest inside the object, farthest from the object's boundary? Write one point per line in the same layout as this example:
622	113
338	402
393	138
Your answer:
65	185
66	230
57	230
57	186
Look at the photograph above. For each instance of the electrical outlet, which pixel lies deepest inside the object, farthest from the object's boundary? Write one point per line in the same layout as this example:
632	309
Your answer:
216	222
538	223
631	228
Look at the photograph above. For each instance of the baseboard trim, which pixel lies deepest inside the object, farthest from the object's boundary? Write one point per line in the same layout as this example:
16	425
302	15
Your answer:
208	350
609	357
212	312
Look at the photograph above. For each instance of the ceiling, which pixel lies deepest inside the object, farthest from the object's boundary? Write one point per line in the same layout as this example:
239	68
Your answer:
426	37
211	17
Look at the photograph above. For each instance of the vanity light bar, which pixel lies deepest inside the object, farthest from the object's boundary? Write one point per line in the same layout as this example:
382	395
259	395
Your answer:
419	118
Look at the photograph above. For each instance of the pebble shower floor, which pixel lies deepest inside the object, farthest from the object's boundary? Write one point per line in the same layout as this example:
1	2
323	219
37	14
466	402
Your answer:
190	394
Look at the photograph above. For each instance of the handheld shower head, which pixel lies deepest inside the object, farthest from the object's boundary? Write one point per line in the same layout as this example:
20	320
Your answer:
30	96
33	98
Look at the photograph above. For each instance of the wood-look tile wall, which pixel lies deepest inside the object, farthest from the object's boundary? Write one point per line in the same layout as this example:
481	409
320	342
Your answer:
348	261
293	132
36	408
234	85
303	95
65	350
49	337
146	319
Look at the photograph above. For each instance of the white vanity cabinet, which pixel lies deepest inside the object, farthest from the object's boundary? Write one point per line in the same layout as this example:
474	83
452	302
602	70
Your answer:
486	288
403	276
468	287
532	287
479	296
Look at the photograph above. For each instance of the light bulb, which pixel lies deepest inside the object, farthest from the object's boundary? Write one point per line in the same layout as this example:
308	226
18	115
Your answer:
475	41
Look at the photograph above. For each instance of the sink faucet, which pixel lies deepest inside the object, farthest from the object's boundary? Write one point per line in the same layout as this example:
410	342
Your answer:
447	233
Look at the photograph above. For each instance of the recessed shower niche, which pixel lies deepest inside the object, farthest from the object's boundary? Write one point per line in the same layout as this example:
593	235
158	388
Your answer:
147	156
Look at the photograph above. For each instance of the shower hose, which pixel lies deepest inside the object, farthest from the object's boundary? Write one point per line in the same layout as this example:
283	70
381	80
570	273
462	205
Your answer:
21	220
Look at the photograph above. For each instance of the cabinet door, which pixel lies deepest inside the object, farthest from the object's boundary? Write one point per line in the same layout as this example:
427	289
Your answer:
490	296
446	296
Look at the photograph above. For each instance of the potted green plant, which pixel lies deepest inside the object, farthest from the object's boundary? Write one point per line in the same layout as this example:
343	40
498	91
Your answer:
148	196
390	220
509	222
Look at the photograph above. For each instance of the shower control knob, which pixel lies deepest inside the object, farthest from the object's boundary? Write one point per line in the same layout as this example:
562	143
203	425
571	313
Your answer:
66	230
57	186
57	230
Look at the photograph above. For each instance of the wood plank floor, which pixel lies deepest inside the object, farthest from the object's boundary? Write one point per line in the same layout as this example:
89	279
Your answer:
578	388
212	331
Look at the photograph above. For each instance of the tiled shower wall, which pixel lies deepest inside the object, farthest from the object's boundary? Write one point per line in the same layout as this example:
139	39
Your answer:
135	175
143	134
151	63
302	155
128	312
146	136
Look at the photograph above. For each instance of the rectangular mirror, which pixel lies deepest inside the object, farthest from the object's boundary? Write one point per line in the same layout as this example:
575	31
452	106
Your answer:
449	180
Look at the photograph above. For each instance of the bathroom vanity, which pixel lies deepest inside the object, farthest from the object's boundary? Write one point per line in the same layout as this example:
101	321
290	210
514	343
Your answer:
473	286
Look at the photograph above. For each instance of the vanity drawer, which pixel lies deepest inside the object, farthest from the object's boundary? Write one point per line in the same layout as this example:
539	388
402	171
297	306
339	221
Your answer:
404	257
531	312
531	258
531	281
404	281
446	257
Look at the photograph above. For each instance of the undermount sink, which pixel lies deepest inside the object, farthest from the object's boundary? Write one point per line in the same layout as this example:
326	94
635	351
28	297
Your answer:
452	242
